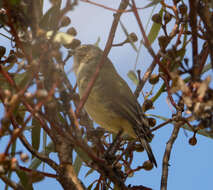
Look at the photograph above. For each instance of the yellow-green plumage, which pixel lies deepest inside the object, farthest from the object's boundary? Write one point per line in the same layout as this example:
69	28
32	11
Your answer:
111	103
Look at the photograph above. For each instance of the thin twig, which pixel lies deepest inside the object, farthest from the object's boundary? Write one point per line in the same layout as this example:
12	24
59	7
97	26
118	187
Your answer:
11	183
103	6
144	79
193	24
161	125
38	172
167	154
166	82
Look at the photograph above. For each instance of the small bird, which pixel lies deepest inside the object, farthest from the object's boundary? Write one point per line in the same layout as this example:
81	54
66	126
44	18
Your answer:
111	103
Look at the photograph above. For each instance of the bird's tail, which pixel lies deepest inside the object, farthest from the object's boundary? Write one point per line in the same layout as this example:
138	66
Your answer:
148	149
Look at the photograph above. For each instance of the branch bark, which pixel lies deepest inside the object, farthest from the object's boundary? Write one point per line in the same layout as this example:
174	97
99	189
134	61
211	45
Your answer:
167	153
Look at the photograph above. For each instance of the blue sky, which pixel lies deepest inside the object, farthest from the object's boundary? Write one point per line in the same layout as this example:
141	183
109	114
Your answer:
191	166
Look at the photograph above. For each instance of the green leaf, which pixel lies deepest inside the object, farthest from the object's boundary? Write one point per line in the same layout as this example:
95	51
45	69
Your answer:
154	30
133	77
83	155
36	162
25	181
89	172
77	165
97	42
35	134
51	18
22	79
44	145
153	2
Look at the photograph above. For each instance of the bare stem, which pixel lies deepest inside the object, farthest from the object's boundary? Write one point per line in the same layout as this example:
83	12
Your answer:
167	154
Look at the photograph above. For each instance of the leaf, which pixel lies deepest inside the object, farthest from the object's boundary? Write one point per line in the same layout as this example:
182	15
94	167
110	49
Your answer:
98	41
89	172
154	30
44	145
25	181
35	134
22	79
77	165
133	77
60	37
36	162
51	18
154	2
83	155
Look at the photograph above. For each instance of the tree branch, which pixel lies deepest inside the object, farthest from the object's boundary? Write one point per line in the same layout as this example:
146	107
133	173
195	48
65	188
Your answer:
167	153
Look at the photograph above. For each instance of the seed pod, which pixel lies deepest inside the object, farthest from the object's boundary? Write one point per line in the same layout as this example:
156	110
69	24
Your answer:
65	21
28	95
154	78
157	18
5	123
13	163
74	44
133	37
148	104
167	17
7	93
2	170
147	165
41	93
182	9
72	31
152	121
139	148
193	141
163	41
24	157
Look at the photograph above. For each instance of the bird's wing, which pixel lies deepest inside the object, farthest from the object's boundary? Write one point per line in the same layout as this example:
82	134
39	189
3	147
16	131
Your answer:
120	97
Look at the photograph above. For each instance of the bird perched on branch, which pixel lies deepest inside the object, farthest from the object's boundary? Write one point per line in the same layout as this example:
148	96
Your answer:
110	103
